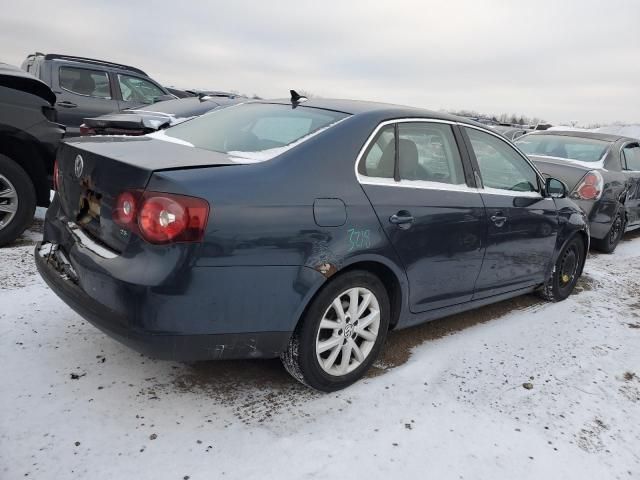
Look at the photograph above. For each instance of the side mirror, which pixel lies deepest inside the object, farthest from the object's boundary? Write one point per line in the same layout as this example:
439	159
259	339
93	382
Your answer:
556	188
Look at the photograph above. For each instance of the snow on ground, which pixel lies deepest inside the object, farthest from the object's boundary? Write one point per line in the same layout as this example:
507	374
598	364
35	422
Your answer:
76	404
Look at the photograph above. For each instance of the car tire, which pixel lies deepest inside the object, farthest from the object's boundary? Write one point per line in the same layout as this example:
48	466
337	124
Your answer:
329	351
21	197
609	243
566	271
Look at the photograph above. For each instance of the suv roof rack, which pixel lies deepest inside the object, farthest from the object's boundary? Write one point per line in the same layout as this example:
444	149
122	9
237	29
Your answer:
94	61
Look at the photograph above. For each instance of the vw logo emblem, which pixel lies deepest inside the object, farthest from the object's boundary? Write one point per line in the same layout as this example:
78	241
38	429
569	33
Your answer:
78	166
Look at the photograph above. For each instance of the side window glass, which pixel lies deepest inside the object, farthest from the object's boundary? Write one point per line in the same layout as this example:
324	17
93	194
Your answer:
379	160
91	83
500	165
136	89
428	152
631	157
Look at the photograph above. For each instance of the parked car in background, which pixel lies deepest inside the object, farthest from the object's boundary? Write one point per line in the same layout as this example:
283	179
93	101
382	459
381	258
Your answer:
214	93
29	136
512	133
179	93
143	120
86	87
304	230
602	173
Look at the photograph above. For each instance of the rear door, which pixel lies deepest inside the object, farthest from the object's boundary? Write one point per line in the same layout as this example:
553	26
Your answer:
630	159
414	176
522	224
81	92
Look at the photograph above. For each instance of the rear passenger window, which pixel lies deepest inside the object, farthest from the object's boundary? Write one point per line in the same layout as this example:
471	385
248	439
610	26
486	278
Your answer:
91	83
380	158
428	152
631	156
501	166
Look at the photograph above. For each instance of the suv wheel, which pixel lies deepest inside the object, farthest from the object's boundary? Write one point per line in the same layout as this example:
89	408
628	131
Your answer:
341	334
609	243
566	271
17	200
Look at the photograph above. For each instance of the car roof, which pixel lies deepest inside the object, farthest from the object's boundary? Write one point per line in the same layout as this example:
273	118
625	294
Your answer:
84	61
383	110
607	137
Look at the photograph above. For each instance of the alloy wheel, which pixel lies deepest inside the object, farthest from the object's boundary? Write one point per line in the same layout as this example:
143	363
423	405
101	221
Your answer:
8	201
348	331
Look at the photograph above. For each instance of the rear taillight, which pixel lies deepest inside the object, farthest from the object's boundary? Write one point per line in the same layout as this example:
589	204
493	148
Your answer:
590	187
162	218
56	176
86	130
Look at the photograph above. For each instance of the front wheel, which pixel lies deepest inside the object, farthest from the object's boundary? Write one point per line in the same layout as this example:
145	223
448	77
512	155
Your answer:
341	334
609	243
566	271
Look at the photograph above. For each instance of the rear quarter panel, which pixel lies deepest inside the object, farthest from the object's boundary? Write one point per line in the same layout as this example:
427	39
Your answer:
262	215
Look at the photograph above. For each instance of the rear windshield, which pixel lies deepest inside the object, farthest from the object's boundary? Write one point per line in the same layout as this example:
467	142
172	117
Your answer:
255	131
561	146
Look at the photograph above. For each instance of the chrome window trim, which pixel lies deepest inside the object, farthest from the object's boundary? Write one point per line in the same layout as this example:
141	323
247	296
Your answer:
418	184
427	185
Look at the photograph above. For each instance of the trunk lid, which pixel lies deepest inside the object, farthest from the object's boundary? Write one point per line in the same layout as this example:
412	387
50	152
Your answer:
95	170
566	170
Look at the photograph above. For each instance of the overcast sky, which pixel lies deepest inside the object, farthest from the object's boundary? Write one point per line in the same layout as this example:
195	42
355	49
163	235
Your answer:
561	60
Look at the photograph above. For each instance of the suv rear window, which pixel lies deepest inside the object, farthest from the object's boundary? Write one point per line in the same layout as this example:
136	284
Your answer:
562	146
255	131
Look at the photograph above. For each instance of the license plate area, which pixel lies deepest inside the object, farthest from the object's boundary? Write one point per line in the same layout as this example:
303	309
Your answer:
57	259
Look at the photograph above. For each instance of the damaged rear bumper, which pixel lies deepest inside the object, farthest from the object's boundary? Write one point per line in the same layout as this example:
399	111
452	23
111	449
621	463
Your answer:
59	274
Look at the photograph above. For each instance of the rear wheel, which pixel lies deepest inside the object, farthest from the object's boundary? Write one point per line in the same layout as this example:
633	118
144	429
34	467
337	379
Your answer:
609	243
565	272
341	334
17	200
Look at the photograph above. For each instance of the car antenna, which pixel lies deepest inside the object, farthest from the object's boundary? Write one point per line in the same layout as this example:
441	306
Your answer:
296	98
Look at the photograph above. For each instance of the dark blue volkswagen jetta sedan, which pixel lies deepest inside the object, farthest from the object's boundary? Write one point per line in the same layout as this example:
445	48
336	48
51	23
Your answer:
303	230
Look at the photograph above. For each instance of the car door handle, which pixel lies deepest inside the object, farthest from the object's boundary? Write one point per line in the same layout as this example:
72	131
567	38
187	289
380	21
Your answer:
66	104
403	219
498	219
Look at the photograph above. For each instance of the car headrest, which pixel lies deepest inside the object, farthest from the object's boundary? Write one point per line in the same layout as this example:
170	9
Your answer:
408	160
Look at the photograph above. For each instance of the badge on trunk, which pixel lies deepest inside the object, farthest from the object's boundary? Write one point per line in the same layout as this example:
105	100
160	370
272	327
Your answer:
78	166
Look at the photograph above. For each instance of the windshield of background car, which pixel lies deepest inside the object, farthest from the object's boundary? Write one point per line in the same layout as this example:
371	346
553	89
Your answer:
561	146
256	131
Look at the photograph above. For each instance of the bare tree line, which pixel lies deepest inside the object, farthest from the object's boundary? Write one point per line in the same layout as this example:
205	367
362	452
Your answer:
511	118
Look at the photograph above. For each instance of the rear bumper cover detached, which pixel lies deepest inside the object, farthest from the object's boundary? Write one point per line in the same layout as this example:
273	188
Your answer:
59	275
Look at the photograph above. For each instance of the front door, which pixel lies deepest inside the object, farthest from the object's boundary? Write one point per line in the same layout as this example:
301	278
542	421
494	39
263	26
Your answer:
631	170
414	177
82	93
522	224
